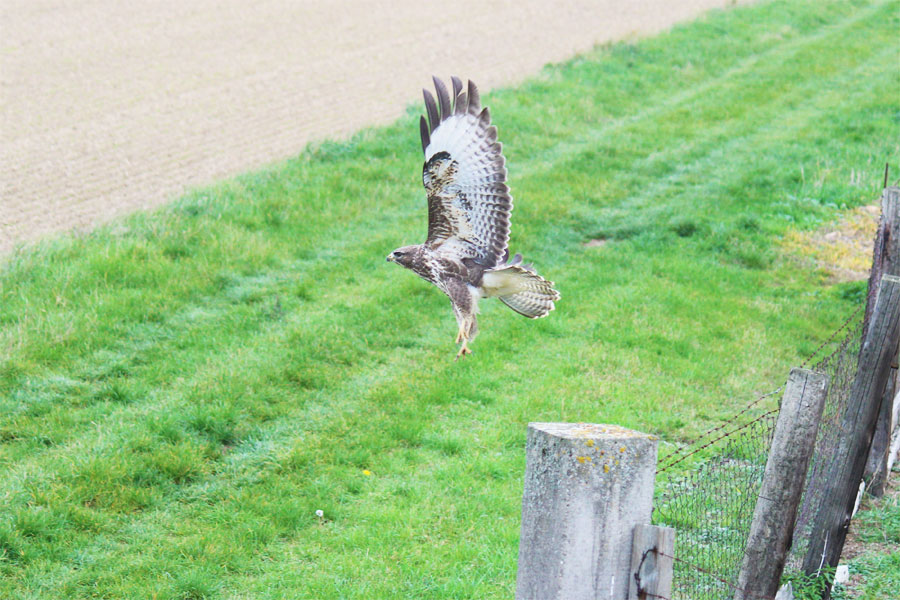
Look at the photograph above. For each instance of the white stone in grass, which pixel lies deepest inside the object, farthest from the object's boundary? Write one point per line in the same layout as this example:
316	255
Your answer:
842	574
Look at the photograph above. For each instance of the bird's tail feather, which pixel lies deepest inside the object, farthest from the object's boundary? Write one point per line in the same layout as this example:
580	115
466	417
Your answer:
519	287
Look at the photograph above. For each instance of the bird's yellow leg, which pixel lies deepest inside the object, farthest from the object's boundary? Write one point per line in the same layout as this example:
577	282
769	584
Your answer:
461	334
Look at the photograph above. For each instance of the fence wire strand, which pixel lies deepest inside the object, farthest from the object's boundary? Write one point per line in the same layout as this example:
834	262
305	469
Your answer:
702	442
710	500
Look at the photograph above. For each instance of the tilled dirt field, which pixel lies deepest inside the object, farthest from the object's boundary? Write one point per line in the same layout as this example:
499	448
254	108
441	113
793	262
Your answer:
110	107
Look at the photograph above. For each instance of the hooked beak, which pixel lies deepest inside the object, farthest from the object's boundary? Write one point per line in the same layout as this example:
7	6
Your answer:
390	258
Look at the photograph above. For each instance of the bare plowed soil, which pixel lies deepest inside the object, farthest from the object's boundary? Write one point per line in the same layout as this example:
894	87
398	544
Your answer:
109	107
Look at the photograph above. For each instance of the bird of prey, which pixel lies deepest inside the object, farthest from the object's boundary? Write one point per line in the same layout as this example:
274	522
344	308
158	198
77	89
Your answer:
465	253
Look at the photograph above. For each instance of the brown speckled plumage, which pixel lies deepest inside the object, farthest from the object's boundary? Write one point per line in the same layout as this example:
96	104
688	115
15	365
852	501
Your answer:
469	208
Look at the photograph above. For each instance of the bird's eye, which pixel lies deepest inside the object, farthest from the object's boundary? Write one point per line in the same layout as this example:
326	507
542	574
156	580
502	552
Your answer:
398	254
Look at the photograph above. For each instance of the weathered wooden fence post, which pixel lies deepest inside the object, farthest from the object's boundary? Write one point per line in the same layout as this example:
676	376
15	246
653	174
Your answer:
782	487
885	261
586	487
858	425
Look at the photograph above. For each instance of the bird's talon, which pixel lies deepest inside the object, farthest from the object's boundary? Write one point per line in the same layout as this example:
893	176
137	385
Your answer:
463	351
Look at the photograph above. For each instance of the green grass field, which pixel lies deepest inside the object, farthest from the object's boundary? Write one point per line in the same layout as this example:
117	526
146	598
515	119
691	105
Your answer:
181	391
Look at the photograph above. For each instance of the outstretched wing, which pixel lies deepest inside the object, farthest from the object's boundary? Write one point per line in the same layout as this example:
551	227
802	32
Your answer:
465	176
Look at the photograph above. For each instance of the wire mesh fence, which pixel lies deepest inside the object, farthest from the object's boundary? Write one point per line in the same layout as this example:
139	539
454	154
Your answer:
710	505
707	490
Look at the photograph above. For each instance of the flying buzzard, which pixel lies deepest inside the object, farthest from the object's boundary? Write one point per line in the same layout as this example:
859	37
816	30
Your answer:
465	254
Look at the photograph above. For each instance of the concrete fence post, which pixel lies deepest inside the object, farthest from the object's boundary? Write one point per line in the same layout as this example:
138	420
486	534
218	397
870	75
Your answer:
586	488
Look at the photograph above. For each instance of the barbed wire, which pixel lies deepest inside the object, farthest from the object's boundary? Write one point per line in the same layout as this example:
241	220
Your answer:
854	315
690	448
721	437
711	503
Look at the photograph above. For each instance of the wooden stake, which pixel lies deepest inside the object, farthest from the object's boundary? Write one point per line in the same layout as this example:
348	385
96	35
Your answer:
782	487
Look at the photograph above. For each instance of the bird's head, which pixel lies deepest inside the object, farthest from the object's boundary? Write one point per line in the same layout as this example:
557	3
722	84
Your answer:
403	256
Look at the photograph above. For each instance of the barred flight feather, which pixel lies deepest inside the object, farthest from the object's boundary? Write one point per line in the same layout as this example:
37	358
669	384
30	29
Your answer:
443	97
474	99
457	85
462	104
433	117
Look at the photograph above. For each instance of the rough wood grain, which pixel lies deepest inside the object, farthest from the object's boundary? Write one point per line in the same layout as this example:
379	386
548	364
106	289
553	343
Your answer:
782	487
858	426
886	250
651	562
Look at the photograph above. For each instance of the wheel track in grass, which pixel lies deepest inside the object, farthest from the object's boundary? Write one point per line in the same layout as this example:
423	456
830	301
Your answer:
594	135
398	356
527	164
703	151
395	216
